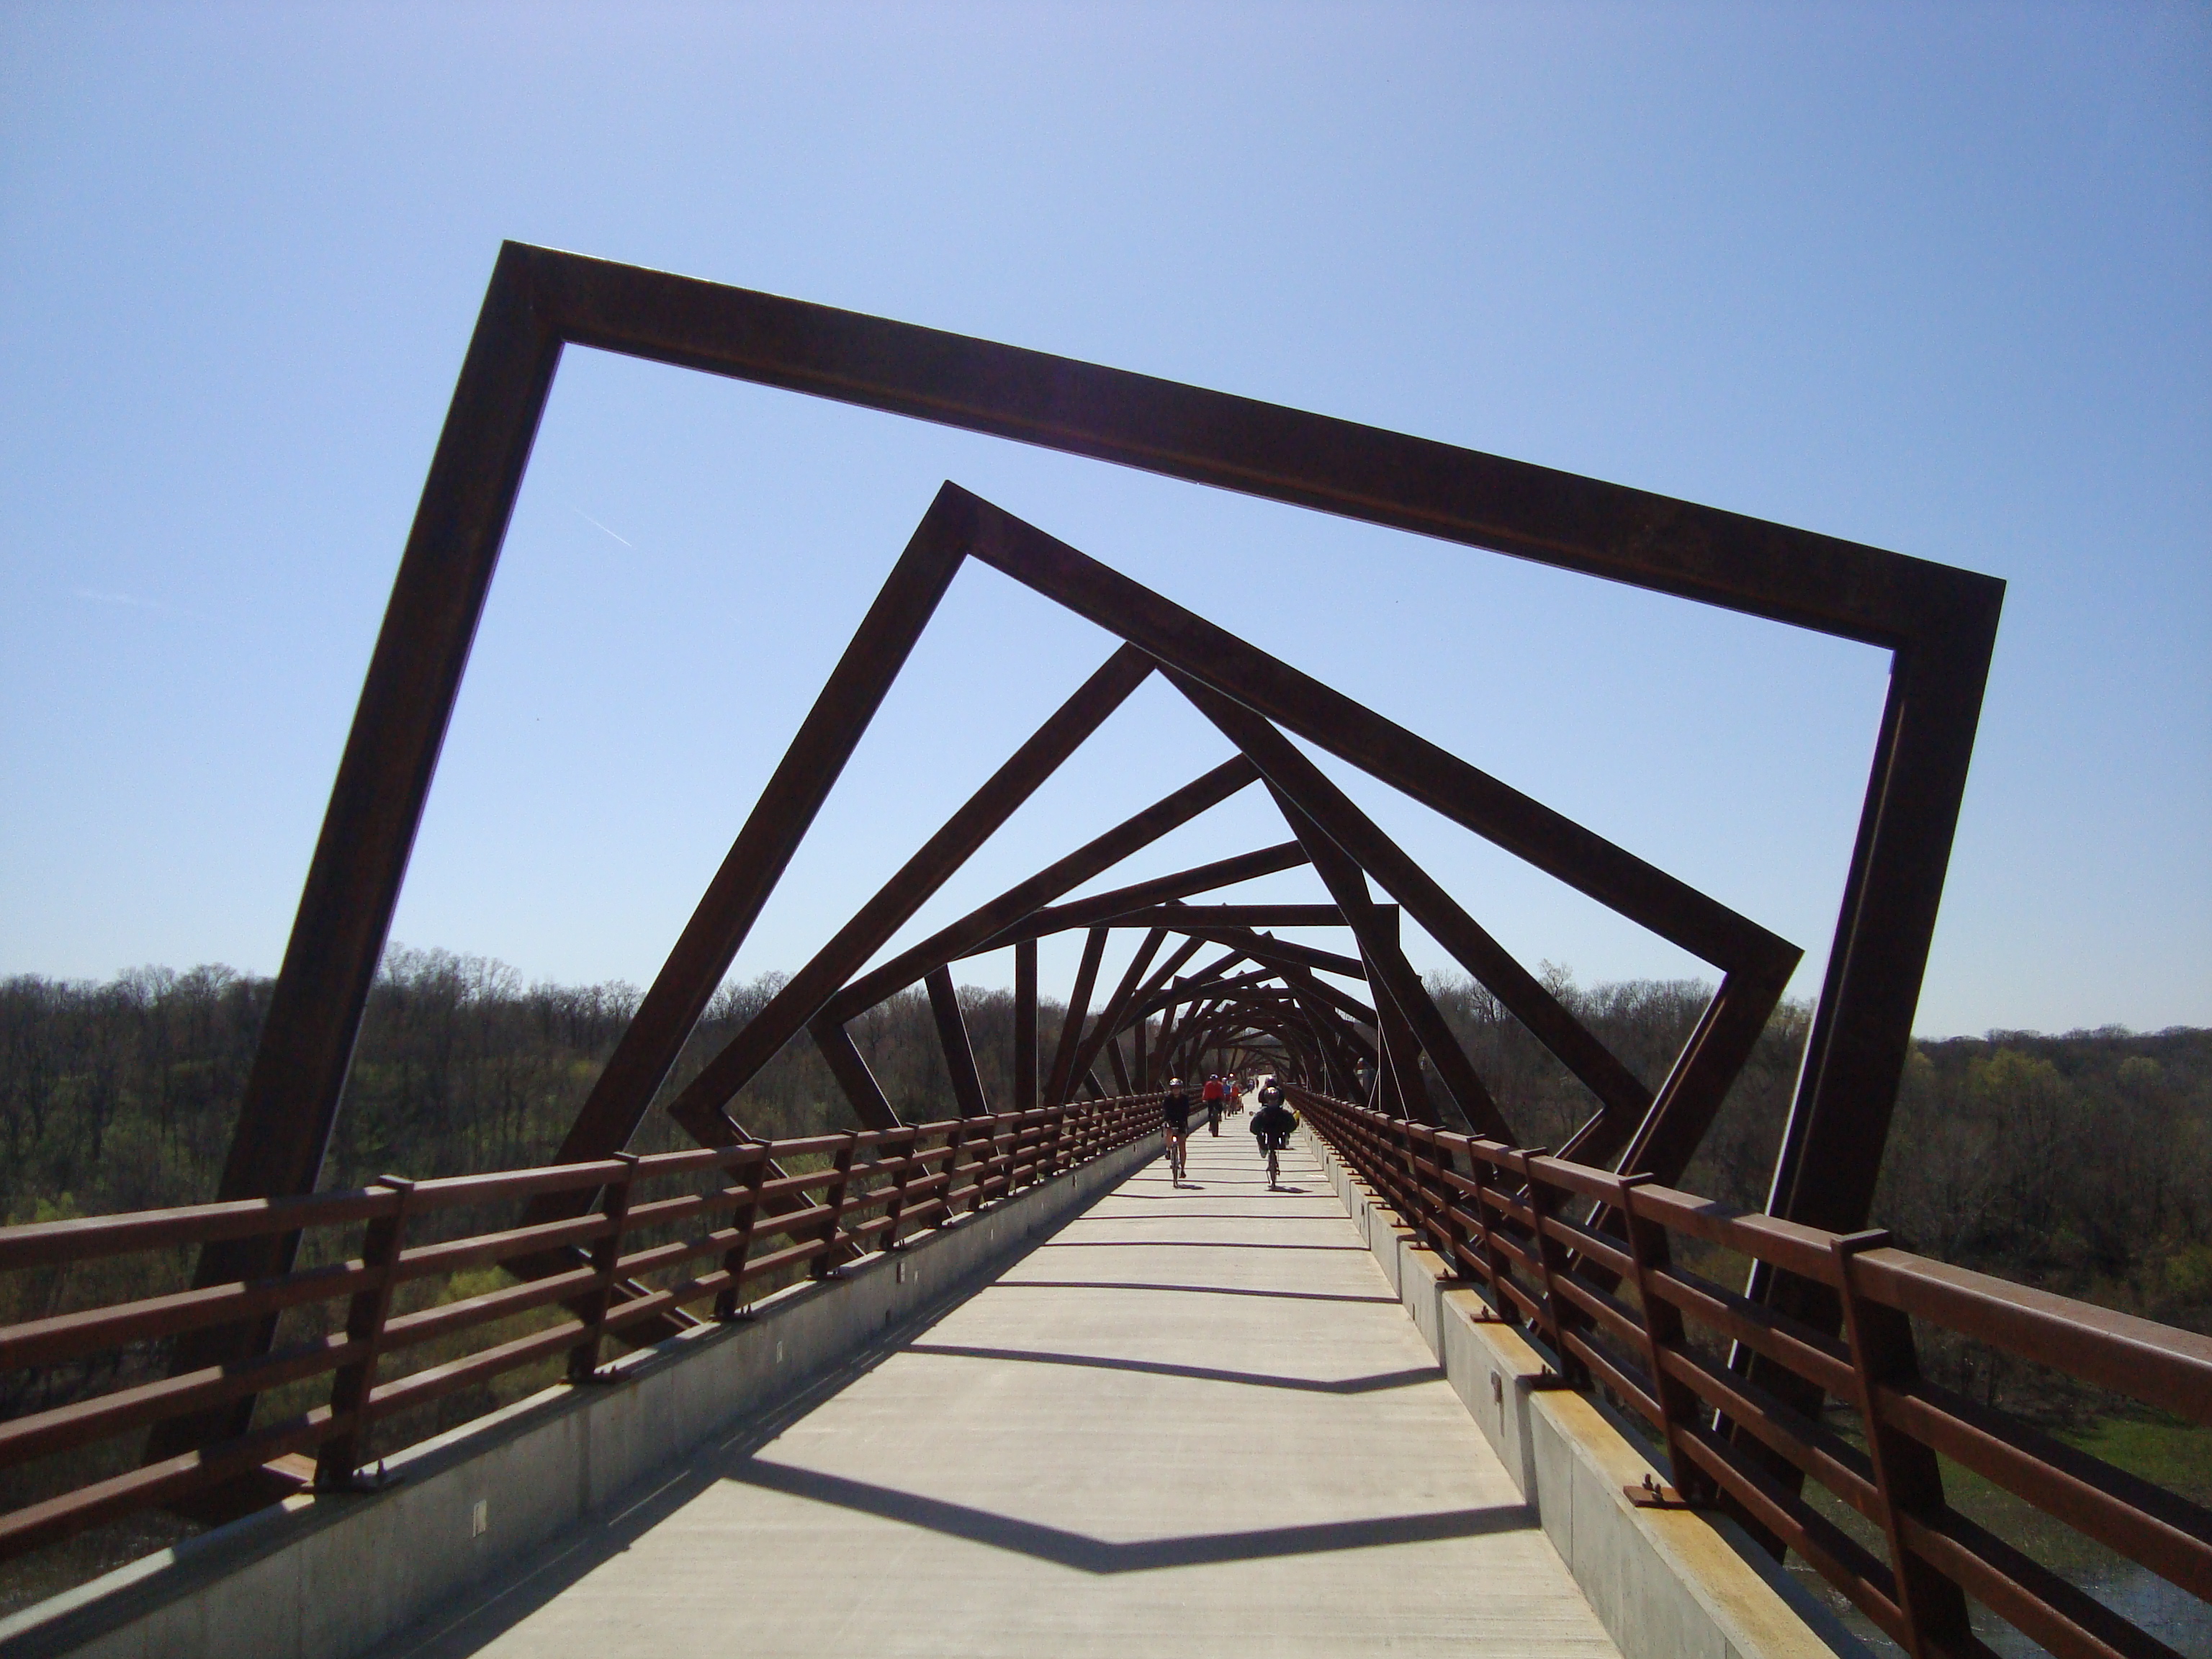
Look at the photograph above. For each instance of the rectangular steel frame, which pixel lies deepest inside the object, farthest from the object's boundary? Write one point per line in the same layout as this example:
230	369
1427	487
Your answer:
1939	623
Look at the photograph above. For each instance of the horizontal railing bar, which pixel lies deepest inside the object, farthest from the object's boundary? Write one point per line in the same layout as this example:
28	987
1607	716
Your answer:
36	1524
420	1387
412	1329
424	1260
2160	1529
83	1421
453	1192
2157	1364
1817	1359
50	1243
1812	1446
2027	1595
96	1330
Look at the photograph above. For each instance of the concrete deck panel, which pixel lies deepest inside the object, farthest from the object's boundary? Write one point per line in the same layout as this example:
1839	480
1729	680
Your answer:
1196	1420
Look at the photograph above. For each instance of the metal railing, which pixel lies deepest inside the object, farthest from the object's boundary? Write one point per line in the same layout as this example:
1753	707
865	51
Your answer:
1583	1260
633	1262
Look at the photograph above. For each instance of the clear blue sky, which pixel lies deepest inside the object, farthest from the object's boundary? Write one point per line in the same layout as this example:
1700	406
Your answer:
1937	279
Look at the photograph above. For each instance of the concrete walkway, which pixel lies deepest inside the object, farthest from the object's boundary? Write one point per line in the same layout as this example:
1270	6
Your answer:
1195	1422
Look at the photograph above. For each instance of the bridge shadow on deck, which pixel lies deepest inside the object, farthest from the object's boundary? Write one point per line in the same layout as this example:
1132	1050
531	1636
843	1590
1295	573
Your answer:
497	1606
482	1616
1346	1385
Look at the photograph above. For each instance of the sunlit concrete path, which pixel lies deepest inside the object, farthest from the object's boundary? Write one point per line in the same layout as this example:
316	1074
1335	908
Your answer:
1195	1421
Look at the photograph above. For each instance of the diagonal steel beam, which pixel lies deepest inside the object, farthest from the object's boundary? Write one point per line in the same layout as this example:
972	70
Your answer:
1266	947
1398	988
1218	916
804	995
1438	779
963	936
1064	1070
1622	1095
1115	1013
756	860
953	1038
861	1090
1112	906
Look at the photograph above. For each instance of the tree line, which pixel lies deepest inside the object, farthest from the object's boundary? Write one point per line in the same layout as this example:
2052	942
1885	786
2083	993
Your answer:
2080	1162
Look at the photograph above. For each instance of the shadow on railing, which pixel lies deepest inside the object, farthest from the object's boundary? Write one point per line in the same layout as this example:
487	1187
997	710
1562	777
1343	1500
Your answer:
383	1292
1583	1260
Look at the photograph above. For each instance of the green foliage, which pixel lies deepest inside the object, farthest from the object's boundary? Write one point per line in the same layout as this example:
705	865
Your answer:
121	1096
1645	1022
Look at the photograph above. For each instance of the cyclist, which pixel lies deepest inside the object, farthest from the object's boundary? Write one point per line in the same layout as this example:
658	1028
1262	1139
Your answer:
1174	1115
1212	1095
1272	1127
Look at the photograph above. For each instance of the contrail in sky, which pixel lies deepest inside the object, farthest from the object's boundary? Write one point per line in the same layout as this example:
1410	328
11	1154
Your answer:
596	525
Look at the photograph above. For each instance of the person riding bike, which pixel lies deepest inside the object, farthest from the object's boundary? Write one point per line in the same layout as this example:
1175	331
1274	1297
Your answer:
1175	1116
1213	1095
1272	1127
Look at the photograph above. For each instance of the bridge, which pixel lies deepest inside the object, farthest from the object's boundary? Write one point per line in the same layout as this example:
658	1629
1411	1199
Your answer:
1136	1440
985	1381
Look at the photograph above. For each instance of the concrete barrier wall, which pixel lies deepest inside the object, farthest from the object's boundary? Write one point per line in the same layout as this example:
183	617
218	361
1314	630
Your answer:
1666	1583
324	1577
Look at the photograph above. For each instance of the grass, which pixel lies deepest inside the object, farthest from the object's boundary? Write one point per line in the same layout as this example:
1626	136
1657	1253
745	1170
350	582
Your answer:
2175	1455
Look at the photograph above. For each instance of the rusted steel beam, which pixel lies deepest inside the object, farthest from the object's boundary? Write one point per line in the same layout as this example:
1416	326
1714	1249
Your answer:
1078	1008
862	1093
290	1102
1256	448
1664	1143
1438	779
1025	1026
1213	915
291	1097
953	1038
1185	989
1114	906
1620	1093
1862	1030
756	860
1940	622
1115	1013
1398	1041
699	1107
963	936
1266	947
1118	1067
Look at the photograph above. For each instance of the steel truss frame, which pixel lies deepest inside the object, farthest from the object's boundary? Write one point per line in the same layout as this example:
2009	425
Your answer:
1938	623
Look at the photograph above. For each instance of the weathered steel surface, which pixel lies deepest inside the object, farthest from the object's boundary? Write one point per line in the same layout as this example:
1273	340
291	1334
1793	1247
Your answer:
1938	621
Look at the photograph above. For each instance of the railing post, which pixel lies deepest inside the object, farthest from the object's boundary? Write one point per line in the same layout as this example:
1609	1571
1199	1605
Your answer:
606	1257
988	1159
1054	1143
825	1265
1410	1147
730	1299
1494	1264
1649	1249
903	1174
1449	1199
1906	1474
1552	1257
339	1461
956	1142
